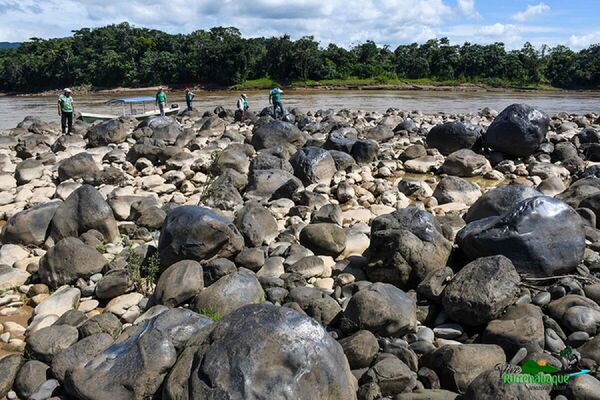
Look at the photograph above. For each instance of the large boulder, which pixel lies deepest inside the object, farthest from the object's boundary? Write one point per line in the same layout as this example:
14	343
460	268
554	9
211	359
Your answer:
230	293
542	236
277	133
107	132
481	290
452	136
30	227
518	130
163	128
489	385
497	201
313	165
83	210
9	367
197	233
286	355
381	308
257	224
405	246
69	260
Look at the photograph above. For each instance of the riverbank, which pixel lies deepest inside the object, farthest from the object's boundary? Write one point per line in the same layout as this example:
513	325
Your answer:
351	83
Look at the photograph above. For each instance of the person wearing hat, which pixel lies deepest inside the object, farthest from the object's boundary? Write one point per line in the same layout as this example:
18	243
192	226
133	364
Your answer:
189	96
65	110
242	106
161	100
275	98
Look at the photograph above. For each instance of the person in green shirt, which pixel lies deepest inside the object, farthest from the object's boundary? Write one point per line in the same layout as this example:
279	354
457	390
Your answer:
161	101
275	99
189	96
65	110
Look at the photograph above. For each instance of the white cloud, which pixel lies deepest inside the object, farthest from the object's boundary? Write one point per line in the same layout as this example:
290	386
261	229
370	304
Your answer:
582	41
467	8
531	11
512	35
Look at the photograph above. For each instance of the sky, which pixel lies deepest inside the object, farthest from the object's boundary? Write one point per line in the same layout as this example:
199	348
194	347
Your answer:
345	22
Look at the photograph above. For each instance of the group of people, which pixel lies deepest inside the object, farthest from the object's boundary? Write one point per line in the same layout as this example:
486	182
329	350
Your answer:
241	106
66	107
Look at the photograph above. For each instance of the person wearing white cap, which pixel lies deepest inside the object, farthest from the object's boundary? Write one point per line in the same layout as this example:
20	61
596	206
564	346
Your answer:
242	106
65	110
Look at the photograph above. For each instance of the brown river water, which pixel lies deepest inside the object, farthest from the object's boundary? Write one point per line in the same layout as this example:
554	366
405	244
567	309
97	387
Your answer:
14	108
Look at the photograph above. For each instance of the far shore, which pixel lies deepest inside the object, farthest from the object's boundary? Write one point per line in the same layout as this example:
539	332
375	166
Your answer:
367	84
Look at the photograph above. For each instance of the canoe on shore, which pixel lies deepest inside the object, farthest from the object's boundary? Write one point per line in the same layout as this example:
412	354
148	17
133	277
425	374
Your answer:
93	117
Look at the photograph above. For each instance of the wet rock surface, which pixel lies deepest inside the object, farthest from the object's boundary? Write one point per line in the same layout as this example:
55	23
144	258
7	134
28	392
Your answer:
329	255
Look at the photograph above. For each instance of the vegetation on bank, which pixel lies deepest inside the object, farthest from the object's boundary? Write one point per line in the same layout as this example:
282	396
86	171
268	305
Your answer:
123	55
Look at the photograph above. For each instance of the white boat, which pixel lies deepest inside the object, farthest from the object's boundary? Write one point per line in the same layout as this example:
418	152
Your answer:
134	109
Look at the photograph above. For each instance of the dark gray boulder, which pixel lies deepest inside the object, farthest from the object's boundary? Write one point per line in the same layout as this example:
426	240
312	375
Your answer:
521	326
381	308
542	236
69	260
465	163
31	226
107	132
271	184
518	130
133	367
179	283
286	355
78	166
391	375
113	284
365	151
83	210
360	349
165	129
230	293
101	323
275	133
497	201
481	290
313	165
405	246
380	133
452	136
197	233
323	239
316	303
257	224
452	189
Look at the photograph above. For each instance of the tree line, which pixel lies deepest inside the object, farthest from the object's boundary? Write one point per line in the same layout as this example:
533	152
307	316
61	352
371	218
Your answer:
124	55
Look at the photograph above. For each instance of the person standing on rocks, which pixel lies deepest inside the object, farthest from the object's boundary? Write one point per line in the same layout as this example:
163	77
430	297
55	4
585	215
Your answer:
65	110
242	106
189	96
275	99
161	100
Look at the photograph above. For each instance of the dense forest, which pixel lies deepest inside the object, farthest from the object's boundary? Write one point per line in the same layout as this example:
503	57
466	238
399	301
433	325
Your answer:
123	55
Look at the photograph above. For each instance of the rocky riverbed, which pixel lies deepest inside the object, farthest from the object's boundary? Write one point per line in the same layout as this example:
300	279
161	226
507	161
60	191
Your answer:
333	255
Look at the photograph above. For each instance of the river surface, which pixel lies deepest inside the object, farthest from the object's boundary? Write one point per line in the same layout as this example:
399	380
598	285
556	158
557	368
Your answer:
14	109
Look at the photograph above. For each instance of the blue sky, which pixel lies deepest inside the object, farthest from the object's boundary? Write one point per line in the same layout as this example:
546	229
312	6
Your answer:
346	22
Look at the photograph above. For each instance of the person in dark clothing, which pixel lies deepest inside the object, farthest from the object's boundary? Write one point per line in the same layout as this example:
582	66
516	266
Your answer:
65	111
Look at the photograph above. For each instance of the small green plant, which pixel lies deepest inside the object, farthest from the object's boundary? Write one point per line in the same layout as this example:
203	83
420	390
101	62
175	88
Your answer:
208	189
152	271
101	249
215	316
133	266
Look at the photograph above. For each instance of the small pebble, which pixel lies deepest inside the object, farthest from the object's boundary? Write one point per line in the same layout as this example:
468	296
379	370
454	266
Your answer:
542	298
